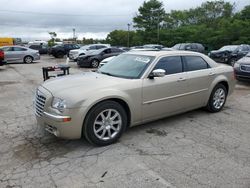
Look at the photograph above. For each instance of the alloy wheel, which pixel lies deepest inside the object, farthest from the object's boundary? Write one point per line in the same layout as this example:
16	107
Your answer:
107	124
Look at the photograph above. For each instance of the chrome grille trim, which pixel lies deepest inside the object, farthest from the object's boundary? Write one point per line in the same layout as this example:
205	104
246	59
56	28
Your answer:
39	103
245	69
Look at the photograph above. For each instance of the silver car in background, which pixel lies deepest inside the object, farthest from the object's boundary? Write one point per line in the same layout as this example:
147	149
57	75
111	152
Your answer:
20	54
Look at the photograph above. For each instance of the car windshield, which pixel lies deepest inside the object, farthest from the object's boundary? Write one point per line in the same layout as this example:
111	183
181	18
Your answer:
229	48
127	66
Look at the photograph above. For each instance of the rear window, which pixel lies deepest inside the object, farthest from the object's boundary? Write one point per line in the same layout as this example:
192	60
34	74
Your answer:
193	63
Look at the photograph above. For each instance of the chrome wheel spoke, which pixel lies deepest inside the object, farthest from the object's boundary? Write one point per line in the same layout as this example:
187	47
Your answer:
107	124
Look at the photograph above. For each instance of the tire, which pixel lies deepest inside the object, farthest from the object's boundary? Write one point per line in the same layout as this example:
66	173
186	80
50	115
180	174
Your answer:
94	63
59	54
28	59
217	98
101	131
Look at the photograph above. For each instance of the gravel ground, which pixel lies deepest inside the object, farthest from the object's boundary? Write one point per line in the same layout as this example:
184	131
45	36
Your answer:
195	149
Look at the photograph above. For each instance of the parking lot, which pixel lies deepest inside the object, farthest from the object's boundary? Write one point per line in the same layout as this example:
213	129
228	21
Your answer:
195	149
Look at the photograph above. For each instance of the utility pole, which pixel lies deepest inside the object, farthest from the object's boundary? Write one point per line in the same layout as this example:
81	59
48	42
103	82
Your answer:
128	34
158	29
74	34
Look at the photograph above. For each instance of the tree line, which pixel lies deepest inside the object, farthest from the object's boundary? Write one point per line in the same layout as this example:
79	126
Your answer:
214	24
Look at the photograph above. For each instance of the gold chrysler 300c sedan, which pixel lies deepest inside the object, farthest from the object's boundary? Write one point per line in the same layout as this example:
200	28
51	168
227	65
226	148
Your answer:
131	89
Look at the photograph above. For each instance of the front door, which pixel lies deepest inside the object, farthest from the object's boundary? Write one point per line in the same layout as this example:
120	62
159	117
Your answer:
164	96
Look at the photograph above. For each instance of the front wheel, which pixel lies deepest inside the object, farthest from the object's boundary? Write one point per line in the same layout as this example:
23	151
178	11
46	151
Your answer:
105	123
217	98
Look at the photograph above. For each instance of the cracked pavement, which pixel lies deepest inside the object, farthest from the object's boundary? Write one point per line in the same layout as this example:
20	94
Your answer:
195	149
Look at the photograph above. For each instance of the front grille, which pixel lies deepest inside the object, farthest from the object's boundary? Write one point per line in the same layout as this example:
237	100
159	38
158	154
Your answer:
245	68
39	103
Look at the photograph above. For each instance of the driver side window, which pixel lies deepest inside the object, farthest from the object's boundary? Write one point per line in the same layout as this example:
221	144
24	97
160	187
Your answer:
171	65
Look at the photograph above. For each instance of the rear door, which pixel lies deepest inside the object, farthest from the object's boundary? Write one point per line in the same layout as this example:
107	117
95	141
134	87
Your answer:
164	96
19	53
200	76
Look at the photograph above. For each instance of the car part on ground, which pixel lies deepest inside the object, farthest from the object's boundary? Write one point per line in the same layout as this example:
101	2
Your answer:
242	68
93	58
229	54
20	54
134	88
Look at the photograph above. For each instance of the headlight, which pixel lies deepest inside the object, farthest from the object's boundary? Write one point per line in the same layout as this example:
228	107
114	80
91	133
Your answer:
236	65
59	104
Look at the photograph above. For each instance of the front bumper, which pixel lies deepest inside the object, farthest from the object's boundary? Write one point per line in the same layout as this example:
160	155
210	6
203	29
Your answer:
73	56
240	75
66	125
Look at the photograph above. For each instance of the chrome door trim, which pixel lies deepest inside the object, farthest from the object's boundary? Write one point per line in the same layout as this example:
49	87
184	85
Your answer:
175	96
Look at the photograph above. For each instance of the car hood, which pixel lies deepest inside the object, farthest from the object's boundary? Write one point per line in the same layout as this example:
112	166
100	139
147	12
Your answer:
219	51
75	50
244	60
84	82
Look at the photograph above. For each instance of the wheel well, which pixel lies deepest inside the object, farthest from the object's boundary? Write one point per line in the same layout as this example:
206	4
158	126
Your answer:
28	56
122	103
224	83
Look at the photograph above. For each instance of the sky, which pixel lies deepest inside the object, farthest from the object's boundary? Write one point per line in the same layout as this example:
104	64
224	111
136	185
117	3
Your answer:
33	19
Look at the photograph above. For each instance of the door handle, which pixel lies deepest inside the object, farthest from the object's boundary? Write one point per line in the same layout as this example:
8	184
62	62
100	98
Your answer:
181	79
211	74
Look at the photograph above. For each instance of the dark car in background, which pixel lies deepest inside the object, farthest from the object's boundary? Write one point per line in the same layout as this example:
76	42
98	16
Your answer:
61	50
229	54
43	49
195	47
242	68
94	58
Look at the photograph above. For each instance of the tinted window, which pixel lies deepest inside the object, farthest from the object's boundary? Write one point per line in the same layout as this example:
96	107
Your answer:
19	49
171	65
194	46
100	46
193	63
107	51
116	50
7	49
92	47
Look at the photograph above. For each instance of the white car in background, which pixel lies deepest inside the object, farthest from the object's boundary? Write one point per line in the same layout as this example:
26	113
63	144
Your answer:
74	54
103	62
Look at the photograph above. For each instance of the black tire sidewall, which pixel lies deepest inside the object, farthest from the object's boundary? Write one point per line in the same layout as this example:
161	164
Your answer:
210	105
94	60
88	130
25	61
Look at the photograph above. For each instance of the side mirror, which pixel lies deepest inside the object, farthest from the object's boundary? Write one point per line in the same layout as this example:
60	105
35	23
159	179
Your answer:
157	73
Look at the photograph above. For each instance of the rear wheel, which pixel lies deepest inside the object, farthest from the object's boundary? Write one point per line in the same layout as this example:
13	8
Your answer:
105	123
59	54
217	98
94	63
28	59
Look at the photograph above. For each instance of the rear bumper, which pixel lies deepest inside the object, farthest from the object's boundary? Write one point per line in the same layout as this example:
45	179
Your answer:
2	63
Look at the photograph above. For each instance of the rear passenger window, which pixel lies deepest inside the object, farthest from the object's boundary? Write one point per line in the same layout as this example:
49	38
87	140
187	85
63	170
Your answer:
171	65
193	63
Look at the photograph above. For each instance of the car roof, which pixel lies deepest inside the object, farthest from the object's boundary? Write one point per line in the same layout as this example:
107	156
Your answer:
163	53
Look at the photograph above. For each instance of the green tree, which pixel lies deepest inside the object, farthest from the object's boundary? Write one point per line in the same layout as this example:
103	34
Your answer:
147	21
